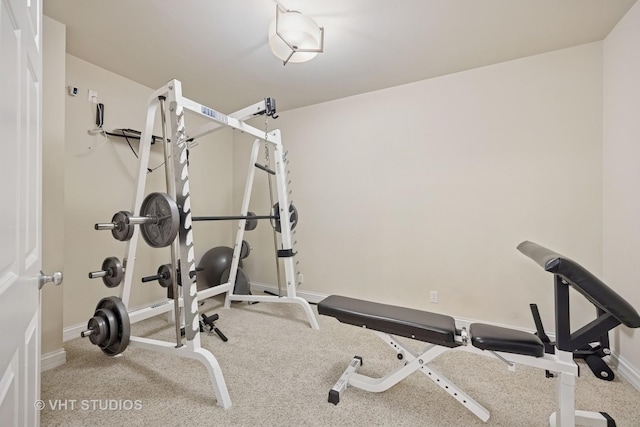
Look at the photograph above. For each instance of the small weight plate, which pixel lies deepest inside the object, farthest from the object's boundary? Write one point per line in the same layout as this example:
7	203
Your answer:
111	327
113	267
99	330
293	217
245	249
122	323
166	278
122	231
165	230
250	224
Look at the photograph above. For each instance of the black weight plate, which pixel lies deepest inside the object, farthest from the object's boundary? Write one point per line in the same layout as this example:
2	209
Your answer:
99	330
293	217
245	249
166	278
242	285
122	231
111	325
123	325
250	224
162	233
113	267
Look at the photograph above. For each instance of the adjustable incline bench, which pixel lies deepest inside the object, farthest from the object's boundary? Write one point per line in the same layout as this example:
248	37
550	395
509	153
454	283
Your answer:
509	345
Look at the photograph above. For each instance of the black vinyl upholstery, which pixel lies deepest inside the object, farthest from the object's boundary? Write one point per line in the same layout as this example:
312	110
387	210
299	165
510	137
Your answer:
435	328
496	338
425	326
584	282
440	329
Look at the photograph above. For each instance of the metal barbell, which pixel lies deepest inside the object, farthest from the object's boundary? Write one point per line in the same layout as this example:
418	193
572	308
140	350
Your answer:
159	221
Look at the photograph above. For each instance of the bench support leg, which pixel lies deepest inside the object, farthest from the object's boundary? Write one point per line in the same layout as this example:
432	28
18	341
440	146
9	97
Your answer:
590	419
413	361
566	415
341	386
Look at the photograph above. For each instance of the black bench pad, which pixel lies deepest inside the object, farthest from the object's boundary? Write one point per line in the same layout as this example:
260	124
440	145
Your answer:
401	321
496	338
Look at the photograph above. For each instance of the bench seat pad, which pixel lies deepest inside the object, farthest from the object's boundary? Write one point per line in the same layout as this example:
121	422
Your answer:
425	326
496	338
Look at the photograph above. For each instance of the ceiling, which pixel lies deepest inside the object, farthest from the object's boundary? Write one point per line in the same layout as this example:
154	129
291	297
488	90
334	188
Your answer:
219	48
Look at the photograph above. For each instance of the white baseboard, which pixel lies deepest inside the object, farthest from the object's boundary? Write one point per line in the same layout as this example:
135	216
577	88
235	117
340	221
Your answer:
53	359
312	297
72	332
627	371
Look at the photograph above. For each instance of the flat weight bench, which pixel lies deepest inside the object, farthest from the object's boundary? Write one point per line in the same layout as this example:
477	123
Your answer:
509	345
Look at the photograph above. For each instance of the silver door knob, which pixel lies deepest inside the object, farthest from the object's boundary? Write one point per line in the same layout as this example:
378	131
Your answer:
55	278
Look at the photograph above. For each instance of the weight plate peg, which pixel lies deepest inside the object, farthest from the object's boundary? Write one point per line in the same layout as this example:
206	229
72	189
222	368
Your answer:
112	272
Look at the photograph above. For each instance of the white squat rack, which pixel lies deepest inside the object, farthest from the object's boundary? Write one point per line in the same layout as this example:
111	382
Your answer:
182	249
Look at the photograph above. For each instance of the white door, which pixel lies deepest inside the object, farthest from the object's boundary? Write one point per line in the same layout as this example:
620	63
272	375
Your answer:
20	211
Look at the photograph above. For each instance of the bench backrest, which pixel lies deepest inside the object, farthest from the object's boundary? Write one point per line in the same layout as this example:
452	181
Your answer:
584	282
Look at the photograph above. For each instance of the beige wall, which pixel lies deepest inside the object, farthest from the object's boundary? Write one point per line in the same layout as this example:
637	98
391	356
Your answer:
53	118
621	173
432	185
100	176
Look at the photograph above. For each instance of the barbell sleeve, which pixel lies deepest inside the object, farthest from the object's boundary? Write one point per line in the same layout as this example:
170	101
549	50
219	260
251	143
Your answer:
87	333
138	220
165	276
154	277
96	274
107	226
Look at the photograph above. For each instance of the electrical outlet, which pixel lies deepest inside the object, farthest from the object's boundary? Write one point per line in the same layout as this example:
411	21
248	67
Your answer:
434	297
93	96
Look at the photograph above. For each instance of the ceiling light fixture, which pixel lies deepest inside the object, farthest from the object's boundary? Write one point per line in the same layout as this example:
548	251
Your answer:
294	37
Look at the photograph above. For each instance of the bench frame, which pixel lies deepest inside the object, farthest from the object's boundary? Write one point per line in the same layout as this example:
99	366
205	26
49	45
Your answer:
413	361
561	363
612	310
